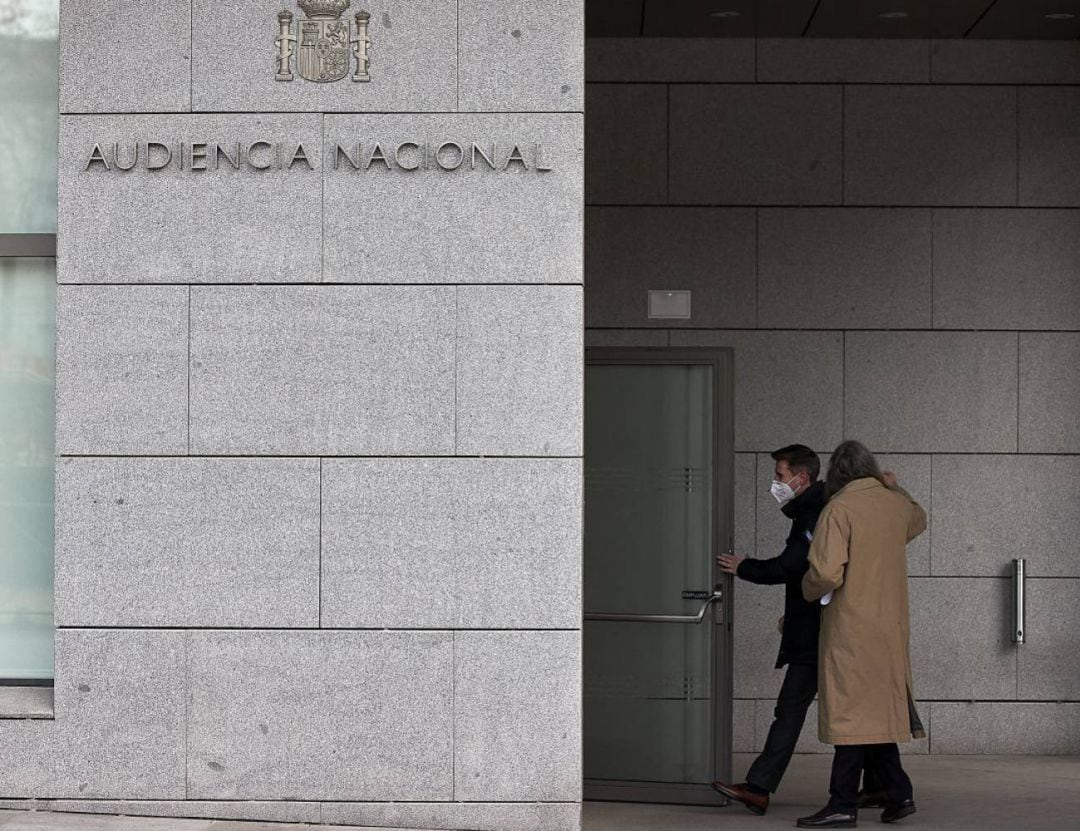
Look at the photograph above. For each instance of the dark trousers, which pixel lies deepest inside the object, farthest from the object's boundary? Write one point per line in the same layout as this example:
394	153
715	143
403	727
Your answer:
796	695
848	764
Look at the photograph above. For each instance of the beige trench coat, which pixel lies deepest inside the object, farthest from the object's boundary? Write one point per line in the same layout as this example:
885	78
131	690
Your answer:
864	669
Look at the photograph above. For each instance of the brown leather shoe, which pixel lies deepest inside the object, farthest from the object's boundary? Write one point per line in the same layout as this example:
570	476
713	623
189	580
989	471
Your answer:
755	803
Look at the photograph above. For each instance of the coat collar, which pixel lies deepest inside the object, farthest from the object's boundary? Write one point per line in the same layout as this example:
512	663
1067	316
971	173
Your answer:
811	500
865	484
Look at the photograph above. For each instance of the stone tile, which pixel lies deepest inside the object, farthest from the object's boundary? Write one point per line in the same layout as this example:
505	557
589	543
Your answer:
848	267
743	725
413	59
321	370
975	661
320	715
783	149
248	811
521	57
961	400
121	369
251	225
1048	391
476	816
471	224
517	733
519	371
674	59
998	727
119	728
39	821
990	509
626	144
772	370
843	60
920	145
757	640
708	251
603	338
479	528
1050	146
1049	660
519	523
1006	269
746	488
99	72
181	542
991	61
388	537
915	476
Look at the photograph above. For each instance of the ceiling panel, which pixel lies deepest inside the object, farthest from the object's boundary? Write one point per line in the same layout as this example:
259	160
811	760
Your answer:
726	18
783	18
613	18
1018	19
1022	19
896	18
699	18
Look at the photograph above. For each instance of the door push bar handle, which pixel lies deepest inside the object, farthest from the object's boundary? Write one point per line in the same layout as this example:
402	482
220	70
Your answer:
1018	602
717	597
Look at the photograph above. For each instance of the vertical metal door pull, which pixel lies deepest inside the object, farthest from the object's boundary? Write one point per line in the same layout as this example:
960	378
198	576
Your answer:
1018	636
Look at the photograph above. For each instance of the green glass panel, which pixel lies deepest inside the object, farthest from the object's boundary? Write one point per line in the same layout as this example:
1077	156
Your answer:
649	501
27	420
28	115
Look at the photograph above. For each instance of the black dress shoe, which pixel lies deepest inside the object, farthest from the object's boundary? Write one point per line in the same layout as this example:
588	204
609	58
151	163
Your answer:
828	818
895	811
873	799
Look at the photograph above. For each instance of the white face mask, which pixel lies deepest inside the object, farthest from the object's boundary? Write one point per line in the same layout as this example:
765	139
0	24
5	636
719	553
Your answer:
782	491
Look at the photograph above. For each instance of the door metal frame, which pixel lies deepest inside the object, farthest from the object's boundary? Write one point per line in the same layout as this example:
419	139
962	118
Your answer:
722	361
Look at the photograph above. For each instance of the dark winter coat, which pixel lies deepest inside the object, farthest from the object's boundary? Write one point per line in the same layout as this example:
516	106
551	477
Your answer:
802	620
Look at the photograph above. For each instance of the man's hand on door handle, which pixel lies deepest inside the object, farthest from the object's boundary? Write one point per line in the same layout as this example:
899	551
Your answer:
729	563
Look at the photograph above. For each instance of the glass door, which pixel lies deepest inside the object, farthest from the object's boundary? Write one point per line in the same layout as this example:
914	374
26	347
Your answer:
658	477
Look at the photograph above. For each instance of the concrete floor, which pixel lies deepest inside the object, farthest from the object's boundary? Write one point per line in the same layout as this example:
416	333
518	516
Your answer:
957	793
953	793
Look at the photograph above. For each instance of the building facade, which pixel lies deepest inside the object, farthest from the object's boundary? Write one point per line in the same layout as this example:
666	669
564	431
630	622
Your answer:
887	234
321	314
318	414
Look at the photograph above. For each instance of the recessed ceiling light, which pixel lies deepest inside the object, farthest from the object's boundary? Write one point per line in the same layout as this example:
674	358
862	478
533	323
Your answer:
893	15
724	14
1060	16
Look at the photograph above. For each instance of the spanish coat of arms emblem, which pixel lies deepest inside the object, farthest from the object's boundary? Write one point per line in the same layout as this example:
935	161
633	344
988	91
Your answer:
322	41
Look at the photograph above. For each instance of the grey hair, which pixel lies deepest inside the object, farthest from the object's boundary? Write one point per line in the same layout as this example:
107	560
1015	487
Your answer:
850	461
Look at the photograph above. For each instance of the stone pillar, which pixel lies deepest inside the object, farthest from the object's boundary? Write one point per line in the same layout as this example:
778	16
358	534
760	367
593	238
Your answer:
320	426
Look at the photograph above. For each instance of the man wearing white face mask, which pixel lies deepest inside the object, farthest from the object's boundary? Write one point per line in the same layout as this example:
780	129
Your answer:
802	499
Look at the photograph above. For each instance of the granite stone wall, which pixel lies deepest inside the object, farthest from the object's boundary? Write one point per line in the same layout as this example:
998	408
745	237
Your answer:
887	233
319	419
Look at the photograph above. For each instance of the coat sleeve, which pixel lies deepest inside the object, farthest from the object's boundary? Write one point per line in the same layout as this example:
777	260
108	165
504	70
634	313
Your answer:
828	555
916	517
789	567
